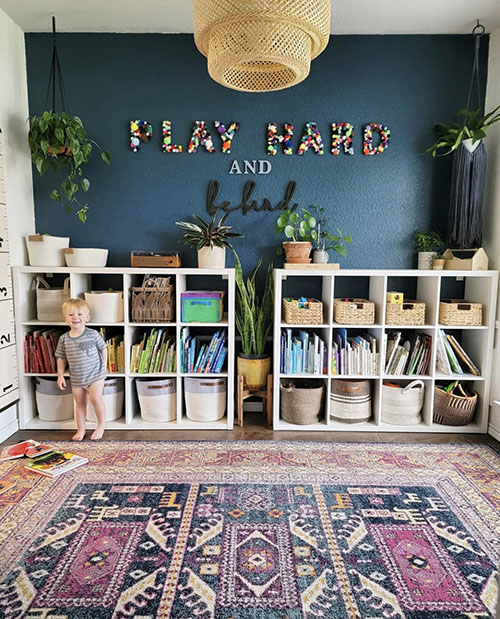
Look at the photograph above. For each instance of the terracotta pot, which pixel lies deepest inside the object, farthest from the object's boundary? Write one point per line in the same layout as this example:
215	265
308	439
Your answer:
212	257
254	369
438	264
297	252
65	151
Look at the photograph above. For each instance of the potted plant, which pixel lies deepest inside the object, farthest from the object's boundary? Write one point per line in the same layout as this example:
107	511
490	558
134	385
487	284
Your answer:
326	241
438	261
210	239
427	244
58	142
298	227
254	319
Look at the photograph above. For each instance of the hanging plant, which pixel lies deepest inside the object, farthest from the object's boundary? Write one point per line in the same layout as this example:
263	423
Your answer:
59	142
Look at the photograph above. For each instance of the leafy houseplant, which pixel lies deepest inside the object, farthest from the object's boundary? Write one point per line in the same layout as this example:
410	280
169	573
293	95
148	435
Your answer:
427	244
254	318
299	227
58	142
326	241
209	238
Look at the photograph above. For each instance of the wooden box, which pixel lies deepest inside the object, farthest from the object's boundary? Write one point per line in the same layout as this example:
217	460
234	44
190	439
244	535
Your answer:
152	259
465	260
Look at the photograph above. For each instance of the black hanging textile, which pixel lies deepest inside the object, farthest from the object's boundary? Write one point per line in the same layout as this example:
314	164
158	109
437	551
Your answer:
468	179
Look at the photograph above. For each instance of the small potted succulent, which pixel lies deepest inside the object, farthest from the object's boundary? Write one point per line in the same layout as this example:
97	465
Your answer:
210	239
298	226
427	244
438	261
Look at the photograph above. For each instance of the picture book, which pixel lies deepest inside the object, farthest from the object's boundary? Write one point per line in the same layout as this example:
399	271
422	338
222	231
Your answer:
28	448
6	485
55	463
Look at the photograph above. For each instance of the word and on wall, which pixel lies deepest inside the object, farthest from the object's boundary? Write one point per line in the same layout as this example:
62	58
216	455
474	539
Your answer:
141	131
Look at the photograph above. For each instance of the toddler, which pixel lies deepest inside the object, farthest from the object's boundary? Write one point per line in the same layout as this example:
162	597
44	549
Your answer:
86	354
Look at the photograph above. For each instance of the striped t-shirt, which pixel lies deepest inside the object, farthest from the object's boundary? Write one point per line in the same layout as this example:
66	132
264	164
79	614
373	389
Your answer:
83	354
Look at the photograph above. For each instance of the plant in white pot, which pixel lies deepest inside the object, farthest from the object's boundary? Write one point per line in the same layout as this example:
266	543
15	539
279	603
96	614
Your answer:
324	240
210	239
427	244
298	227
254	319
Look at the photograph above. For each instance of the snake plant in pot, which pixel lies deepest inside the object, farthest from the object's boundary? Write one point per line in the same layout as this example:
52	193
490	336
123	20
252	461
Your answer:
254	318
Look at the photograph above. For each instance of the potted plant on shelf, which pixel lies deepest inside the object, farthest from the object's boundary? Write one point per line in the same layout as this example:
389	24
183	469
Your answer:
254	318
427	244
297	226
438	261
210	239
58	142
326	241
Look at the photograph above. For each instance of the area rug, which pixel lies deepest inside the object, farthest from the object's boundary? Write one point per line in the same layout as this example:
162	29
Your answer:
254	530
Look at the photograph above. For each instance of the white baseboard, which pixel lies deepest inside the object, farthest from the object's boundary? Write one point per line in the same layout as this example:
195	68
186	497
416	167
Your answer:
8	430
494	431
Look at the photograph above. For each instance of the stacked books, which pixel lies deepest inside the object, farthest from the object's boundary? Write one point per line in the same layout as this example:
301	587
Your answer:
354	355
39	351
55	463
407	353
154	354
116	352
451	358
302	352
196	357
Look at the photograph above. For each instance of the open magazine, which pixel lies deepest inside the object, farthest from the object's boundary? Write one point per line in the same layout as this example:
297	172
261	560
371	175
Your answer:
28	449
55	463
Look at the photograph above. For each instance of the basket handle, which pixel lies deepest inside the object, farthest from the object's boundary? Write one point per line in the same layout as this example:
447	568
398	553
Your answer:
464	306
414	383
41	281
159	386
408	306
66	285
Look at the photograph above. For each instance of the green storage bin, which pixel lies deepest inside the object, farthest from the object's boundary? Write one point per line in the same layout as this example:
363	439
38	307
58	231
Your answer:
202	306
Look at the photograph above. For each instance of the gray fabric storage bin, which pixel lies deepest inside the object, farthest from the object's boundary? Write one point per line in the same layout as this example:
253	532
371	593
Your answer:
52	403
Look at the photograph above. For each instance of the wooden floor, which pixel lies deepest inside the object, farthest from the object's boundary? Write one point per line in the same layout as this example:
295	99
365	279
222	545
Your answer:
256	430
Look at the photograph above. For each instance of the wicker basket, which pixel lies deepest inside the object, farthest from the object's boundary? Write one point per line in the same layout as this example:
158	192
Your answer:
301	401
351	401
407	313
460	313
354	311
152	303
298	313
453	410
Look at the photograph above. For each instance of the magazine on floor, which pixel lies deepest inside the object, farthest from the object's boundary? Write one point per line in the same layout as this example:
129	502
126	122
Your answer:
28	449
55	463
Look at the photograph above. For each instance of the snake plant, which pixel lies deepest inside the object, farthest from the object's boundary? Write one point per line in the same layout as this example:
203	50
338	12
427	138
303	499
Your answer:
254	316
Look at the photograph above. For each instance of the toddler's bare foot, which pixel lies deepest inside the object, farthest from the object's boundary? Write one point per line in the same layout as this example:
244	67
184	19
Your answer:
78	436
97	434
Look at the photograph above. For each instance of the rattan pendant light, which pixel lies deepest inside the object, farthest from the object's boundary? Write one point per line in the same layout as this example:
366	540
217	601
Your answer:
260	45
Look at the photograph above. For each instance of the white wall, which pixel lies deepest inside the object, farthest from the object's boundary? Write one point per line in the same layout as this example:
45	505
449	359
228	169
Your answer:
17	165
492	209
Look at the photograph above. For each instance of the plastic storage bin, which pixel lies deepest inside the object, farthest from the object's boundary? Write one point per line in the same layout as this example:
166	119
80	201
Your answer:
105	306
205	398
53	404
112	395
202	306
157	399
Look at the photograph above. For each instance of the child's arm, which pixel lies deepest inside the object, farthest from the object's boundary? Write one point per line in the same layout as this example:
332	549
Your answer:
61	366
104	355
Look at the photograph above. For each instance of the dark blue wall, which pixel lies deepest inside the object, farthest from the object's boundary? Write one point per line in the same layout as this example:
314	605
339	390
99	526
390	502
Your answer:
405	82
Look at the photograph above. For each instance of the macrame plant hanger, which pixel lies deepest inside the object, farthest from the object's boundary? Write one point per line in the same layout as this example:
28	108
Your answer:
468	176
55	75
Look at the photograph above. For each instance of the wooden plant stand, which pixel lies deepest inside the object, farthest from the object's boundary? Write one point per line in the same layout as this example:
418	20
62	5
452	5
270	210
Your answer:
242	393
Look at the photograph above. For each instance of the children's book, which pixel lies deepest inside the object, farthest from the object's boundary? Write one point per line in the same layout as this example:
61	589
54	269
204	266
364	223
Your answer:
6	485
55	463
28	448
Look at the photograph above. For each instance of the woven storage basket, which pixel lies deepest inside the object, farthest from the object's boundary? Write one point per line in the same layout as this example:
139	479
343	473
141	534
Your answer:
157	399
453	410
152	303
351	400
53	404
354	311
49	300
407	313
402	405
310	314
112	395
460	313
301	401
205	398
105	306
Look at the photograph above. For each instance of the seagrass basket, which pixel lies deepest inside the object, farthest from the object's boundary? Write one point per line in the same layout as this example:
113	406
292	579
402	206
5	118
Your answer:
298	313
460	313
152	303
407	313
301	401
453	410
354	311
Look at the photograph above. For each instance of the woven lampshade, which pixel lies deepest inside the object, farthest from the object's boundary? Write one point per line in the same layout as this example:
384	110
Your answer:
260	45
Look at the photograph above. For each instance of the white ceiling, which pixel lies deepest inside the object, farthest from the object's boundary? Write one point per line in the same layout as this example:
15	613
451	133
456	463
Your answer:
174	16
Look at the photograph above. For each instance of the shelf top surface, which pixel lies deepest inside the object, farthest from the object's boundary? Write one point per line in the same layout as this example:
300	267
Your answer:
383	272
125	270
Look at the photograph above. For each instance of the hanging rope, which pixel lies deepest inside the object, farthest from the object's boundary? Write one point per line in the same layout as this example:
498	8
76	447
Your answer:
55	74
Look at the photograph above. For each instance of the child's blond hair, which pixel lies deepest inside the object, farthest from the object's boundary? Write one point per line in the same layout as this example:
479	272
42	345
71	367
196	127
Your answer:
78	304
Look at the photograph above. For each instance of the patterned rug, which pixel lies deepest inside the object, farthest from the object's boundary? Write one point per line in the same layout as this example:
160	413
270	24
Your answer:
254	530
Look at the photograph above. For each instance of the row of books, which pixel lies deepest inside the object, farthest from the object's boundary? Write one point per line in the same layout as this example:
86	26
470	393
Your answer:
116	351
302	352
197	357
154	354
355	355
39	351
451	358
407	352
